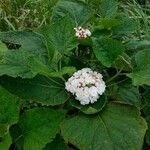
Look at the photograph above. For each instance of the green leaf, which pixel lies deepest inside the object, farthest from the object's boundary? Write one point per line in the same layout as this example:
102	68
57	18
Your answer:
94	4
117	127
39	126
91	108
127	93
5	142
126	26
77	10
137	44
48	91
56	144
60	38
107	50
15	63
140	74
28	40
9	110
108	8
38	67
108	23
63	71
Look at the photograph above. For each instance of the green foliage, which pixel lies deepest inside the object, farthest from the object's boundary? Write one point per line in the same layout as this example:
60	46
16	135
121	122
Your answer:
5	142
59	38
108	129
48	91
107	50
108	8
140	74
9	109
57	144
37	112
38	130
127	93
77	10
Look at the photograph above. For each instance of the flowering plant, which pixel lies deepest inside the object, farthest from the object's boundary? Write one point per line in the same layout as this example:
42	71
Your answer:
81	82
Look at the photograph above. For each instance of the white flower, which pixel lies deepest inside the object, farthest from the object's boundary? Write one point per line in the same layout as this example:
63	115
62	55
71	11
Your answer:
82	33
86	85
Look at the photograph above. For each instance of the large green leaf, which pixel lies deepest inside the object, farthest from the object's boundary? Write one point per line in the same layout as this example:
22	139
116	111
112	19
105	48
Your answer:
48	91
141	74
39	126
9	110
107	50
108	8
60	38
15	62
77	10
28	40
117	127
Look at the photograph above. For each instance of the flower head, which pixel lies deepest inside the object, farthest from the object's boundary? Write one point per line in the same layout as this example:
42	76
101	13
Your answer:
82	33
86	85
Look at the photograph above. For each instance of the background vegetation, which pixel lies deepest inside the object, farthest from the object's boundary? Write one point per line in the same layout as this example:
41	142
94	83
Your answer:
22	14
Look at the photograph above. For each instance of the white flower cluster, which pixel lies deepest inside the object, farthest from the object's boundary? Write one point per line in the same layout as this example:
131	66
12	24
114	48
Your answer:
82	33
86	85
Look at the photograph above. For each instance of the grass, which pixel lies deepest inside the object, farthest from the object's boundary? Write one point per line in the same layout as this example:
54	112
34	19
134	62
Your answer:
20	14
139	12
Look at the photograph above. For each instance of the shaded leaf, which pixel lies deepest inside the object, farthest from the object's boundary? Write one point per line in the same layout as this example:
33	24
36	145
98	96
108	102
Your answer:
56	144
146	109
127	93
48	91
39	126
